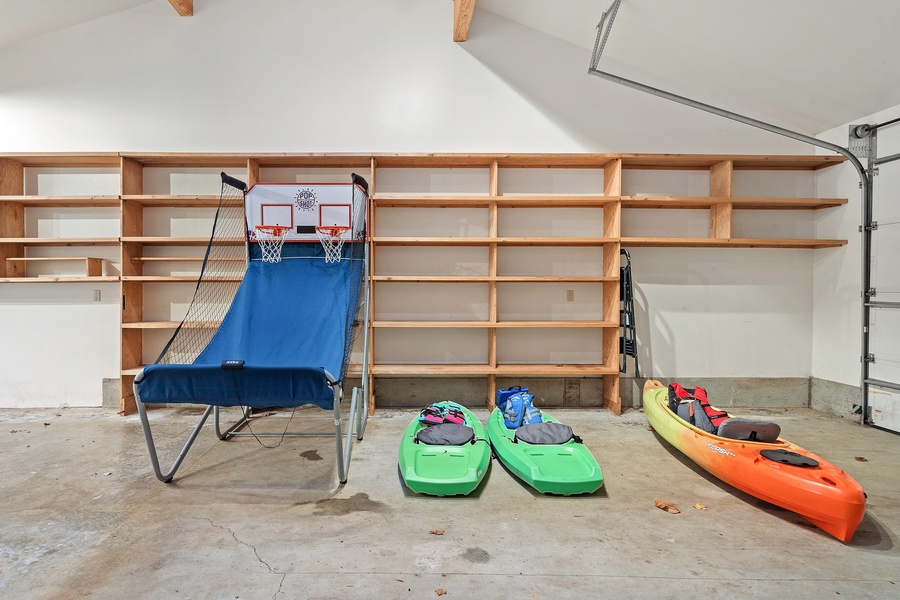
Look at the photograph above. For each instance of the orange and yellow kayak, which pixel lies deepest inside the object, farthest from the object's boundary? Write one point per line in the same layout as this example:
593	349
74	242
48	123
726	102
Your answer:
822	494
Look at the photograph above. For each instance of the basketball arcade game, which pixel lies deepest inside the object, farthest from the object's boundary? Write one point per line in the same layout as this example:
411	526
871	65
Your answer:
283	336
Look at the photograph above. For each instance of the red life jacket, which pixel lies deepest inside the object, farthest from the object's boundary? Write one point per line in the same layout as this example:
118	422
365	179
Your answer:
680	395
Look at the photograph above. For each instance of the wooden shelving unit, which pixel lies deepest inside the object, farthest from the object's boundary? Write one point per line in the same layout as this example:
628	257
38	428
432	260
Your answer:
140	250
604	324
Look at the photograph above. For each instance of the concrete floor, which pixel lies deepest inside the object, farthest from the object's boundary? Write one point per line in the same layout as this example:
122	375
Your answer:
83	516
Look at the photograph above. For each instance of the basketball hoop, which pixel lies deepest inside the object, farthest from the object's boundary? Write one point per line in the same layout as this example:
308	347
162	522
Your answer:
270	239
332	238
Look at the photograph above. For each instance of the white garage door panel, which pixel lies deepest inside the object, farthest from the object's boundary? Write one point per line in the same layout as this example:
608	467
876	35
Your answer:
886	262
884	406
884	332
884	322
886	209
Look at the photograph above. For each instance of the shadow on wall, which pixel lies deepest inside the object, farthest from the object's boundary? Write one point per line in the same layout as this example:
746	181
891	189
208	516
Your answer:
601	116
723	313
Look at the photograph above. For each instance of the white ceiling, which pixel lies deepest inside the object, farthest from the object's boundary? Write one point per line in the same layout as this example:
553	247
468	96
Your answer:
809	65
24	19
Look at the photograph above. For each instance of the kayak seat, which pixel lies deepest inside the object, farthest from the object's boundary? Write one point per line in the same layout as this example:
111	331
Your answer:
545	433
753	430
446	434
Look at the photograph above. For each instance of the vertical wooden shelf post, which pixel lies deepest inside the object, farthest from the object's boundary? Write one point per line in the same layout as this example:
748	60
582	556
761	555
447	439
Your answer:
131	225
493	233
373	170
252	172
720	175
612	229
12	216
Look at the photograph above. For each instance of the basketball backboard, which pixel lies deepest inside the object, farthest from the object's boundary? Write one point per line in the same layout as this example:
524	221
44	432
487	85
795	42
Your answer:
302	207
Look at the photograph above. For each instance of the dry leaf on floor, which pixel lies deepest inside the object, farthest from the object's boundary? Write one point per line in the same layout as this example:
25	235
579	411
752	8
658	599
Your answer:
699	506
437	532
667	506
440	591
862	459
649	429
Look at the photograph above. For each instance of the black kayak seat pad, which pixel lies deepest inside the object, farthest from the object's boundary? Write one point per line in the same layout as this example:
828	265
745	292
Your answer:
446	434
545	433
752	430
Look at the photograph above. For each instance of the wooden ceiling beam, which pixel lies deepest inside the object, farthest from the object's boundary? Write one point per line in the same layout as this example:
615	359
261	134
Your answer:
185	8
462	18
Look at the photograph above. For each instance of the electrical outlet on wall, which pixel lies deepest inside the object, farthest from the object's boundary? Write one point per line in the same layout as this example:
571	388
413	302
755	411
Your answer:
96	295
570	295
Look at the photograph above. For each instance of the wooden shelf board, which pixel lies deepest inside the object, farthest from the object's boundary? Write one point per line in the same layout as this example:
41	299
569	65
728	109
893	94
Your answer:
475	370
61	241
498	324
740	161
178	241
196	201
645	242
331	160
416	160
574	370
507	160
64	201
65	159
176	278
182	259
198	159
51	279
234	160
151	325
435	201
446	201
160	278
675	202
484	241
497	279
168	325
50	258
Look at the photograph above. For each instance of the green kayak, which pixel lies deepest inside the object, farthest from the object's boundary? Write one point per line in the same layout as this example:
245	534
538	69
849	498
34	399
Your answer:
445	470
565	469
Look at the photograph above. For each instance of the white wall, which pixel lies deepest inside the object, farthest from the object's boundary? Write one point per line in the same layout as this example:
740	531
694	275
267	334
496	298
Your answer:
360	76
837	276
326	75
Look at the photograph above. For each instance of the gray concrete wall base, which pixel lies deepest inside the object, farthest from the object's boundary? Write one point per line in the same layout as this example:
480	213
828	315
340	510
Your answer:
725	392
834	398
111	393
414	392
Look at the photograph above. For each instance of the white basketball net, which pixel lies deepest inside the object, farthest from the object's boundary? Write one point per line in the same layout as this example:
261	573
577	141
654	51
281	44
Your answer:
270	239
332	239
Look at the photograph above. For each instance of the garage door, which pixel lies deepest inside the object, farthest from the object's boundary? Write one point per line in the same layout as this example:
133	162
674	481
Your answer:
883	389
